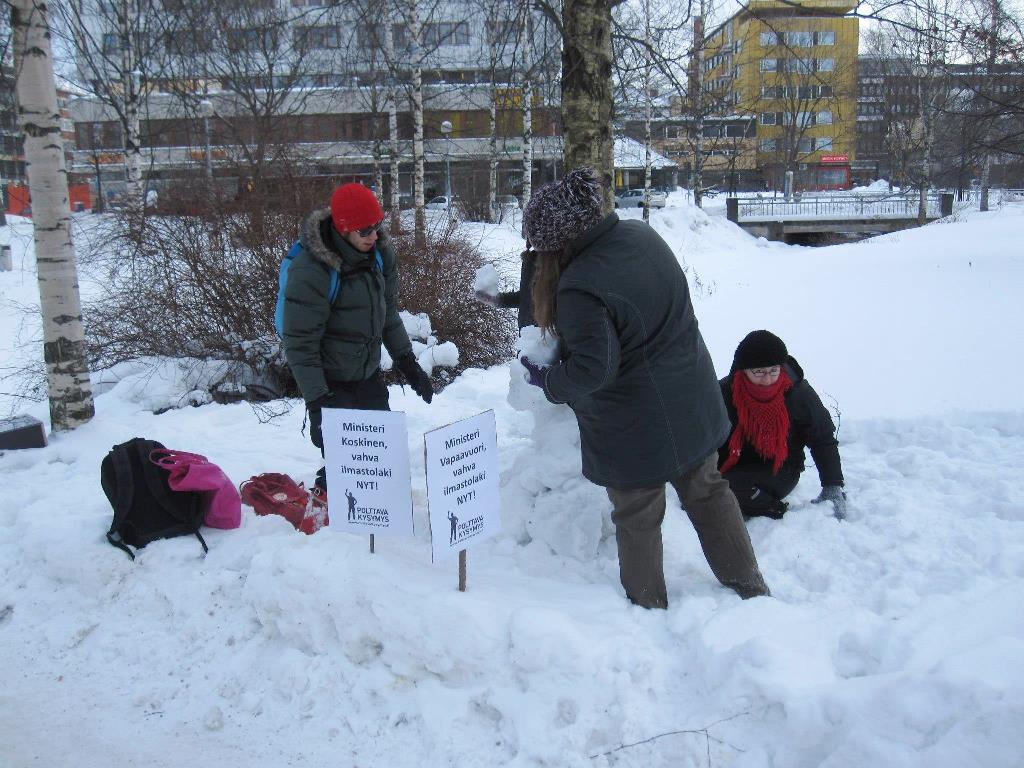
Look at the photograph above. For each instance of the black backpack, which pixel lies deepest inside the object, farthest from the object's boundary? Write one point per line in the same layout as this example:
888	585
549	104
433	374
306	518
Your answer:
145	507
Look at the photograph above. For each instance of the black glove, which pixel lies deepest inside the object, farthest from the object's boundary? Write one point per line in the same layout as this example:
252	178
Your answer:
486	298
837	496
324	401
416	376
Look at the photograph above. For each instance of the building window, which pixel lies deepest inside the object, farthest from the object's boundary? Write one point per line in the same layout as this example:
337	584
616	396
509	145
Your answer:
446	33
252	39
769	118
771	92
825	38
111	43
801	66
316	37
400	36
825	91
823	143
734	131
506	32
189	41
824	117
767	145
826	65
769	38
769	65
805	144
800	39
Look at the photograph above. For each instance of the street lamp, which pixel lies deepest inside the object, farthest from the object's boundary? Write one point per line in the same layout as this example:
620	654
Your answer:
206	110
446	129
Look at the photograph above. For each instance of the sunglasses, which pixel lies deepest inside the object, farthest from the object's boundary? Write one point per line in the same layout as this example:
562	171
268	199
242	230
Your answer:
367	231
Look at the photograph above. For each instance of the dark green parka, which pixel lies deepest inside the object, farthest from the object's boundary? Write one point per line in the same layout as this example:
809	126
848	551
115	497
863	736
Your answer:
635	371
327	343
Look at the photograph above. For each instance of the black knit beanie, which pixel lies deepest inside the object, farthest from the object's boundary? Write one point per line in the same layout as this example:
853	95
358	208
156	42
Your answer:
760	349
560	212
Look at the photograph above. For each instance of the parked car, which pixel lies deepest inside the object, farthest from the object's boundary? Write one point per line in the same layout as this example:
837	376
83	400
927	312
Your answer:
444	203
634	198
507	201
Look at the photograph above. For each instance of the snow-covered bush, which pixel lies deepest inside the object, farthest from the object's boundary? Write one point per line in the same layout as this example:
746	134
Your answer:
437	280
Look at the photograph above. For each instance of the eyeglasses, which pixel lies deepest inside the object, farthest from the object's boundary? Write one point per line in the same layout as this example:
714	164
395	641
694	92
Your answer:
367	231
775	370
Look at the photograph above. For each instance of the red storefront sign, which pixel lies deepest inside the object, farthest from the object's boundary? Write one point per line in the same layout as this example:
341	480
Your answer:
835	158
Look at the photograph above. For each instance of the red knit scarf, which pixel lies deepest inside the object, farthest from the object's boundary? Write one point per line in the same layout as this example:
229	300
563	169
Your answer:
763	420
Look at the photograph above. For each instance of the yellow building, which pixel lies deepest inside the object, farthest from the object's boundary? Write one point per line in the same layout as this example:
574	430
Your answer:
792	65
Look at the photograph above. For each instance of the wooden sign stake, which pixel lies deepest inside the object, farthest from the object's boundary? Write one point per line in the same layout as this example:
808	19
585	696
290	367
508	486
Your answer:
462	570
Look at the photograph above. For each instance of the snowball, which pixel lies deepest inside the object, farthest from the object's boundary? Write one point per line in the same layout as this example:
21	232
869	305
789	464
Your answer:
487	280
539	347
445	355
417	326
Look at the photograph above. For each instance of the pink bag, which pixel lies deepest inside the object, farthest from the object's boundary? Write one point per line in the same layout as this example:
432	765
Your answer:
192	472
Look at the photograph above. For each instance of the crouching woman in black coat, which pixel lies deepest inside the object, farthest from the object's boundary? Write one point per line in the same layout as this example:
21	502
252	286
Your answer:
775	414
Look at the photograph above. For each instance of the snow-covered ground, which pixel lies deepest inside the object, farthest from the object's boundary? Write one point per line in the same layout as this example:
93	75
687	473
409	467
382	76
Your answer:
894	638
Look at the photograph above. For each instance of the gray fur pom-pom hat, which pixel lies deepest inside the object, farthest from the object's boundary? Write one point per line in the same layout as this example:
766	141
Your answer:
560	212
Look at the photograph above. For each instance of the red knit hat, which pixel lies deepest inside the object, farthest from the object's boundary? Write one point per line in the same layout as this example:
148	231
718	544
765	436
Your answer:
353	207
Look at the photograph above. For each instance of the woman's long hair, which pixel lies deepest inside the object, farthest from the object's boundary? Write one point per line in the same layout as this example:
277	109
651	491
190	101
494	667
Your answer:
545	286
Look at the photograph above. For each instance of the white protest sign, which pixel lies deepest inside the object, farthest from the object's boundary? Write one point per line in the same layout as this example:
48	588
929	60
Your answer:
368	478
462	484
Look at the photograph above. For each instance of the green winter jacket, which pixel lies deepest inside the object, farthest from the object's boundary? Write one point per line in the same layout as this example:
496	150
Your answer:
339	343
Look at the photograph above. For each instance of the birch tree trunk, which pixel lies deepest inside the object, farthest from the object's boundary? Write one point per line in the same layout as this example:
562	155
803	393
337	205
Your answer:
130	90
392	97
587	98
416	33
926	93
492	115
926	162
527	104
492	154
990	64
699	106
67	374
647	110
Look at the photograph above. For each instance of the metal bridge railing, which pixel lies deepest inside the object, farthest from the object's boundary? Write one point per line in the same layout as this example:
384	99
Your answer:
880	206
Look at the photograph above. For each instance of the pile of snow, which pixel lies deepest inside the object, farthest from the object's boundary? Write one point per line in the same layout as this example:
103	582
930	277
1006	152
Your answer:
879	185
893	638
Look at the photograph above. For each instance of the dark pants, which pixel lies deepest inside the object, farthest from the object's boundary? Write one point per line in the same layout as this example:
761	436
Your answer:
759	492
716	517
368	395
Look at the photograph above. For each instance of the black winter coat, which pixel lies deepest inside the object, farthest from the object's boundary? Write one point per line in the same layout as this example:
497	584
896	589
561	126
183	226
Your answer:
635	369
810	425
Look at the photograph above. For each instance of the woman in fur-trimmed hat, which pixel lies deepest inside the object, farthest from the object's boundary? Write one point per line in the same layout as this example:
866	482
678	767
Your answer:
775	414
636	373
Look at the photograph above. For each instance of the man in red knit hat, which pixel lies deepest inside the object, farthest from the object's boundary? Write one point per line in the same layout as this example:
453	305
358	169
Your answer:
333	347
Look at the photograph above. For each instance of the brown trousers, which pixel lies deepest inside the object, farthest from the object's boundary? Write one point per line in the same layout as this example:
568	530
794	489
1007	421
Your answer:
715	514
